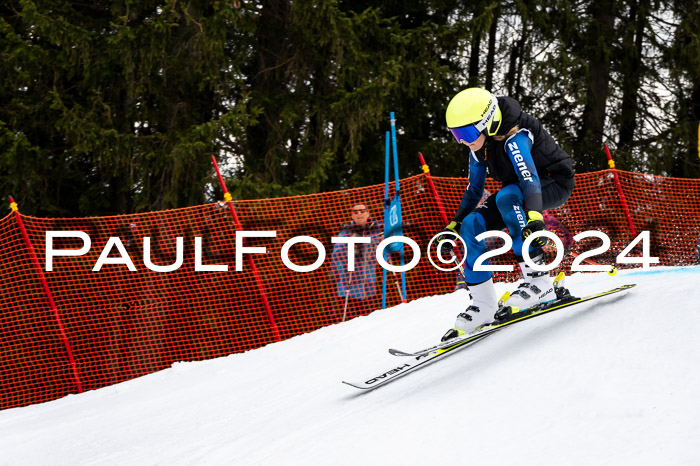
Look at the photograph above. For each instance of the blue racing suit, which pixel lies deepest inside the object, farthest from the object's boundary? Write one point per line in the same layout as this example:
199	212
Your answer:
536	175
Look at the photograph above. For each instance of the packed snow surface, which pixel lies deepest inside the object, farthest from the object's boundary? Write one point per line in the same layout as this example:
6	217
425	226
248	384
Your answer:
609	382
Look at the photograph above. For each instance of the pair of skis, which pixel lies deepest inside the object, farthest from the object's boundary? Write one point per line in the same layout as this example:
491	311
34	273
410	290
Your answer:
411	361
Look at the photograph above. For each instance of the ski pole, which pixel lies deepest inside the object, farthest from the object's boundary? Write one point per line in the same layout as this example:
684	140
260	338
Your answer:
398	287
347	296
612	272
558	226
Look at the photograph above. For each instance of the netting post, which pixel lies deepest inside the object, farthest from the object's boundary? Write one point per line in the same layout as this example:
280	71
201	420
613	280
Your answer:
47	291
443	214
611	164
261	288
426	170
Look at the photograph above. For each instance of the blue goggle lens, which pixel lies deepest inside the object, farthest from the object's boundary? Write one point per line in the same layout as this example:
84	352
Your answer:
467	134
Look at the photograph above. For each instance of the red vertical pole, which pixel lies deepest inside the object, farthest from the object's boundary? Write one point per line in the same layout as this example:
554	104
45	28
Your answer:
443	214
229	200
426	170
47	291
611	164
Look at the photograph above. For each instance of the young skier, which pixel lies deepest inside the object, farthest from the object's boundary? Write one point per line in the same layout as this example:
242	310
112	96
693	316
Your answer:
536	175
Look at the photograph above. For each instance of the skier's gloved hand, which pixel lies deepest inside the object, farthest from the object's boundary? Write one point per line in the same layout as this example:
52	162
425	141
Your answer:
446	246
535	223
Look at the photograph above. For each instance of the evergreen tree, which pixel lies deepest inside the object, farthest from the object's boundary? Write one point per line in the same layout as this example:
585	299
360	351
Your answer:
600	34
113	107
632	70
685	59
326	75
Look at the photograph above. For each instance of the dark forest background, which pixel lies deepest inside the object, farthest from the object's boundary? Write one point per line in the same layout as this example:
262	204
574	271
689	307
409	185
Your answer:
111	107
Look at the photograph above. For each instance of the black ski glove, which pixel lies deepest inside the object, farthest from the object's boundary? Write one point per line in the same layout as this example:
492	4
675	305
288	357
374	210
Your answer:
535	223
446	246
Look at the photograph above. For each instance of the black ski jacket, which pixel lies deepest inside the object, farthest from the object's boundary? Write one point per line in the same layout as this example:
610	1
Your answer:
553	165
550	159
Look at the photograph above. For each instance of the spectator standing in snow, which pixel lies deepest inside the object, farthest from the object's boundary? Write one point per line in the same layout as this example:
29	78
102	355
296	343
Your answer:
355	290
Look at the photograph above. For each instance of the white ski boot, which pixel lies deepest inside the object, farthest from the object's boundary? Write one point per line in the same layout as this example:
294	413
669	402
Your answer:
482	309
507	313
537	287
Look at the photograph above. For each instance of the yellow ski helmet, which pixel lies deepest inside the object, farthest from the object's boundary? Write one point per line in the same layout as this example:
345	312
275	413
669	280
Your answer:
471	112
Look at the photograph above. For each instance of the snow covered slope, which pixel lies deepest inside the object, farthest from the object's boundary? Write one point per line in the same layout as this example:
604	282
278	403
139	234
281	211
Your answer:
601	383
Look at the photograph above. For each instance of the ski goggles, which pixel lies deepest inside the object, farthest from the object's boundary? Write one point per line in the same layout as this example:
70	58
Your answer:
467	133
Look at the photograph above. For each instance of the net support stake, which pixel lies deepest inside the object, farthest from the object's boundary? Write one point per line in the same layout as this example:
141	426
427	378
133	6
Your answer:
47	292
251	262
443	214
426	170
611	164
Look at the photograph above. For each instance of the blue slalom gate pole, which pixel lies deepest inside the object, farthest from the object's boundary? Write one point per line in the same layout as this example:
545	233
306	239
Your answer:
393	225
386	210
398	197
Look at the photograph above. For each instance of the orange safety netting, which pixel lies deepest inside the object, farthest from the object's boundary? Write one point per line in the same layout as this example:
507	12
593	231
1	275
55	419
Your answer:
122	324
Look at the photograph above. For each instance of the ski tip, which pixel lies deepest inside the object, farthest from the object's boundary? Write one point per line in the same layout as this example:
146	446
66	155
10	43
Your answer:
613	271
417	354
355	385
